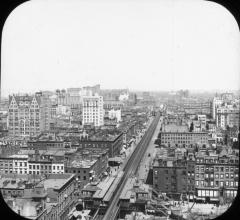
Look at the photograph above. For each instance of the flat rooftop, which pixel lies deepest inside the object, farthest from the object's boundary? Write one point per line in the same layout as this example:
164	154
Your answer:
84	163
175	128
56	181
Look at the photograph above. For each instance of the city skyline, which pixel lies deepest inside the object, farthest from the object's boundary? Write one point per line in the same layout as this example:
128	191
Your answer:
120	45
212	92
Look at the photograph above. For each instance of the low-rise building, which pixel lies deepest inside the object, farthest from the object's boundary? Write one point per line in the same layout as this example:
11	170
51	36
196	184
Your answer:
173	134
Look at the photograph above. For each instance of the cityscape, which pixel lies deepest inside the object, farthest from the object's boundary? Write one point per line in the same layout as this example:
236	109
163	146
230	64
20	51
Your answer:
93	153
119	110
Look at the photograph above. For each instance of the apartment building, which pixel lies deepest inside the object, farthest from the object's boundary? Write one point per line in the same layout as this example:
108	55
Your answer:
216	176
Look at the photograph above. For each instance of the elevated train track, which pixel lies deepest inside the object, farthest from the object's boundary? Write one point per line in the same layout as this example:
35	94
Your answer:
130	169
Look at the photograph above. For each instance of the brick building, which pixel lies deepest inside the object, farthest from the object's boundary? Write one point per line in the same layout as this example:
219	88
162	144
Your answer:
216	176
170	175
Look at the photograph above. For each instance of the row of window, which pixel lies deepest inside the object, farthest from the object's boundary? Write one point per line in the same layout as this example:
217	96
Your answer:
16	164
217	183
45	167
75	171
217	169
221	176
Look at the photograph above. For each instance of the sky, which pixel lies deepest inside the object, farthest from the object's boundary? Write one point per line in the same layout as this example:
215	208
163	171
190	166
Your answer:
140	45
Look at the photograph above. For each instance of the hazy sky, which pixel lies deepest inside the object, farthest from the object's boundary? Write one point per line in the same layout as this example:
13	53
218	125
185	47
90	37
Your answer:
143	45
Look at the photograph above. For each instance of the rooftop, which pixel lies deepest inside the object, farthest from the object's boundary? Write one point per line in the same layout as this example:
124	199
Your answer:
175	128
84	163
56	181
104	186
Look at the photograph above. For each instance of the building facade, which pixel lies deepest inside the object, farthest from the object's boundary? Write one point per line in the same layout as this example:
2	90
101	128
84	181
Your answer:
28	115
93	112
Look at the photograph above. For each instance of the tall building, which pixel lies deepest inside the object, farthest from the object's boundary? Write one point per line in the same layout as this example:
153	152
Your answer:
227	116
28	115
215	103
45	111
93	113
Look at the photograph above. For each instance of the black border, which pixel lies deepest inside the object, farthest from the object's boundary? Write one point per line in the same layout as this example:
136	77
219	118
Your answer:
7	6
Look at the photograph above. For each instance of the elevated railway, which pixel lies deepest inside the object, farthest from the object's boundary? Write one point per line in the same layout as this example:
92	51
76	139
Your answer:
130	169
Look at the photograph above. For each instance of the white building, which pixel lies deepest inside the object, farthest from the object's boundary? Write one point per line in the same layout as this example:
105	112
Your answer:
112	114
227	116
123	97
58	167
20	164
93	112
63	110
216	103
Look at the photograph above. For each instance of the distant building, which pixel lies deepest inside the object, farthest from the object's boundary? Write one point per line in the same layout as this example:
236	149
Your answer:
28	115
217	101
115	114
173	134
227	116
93	112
